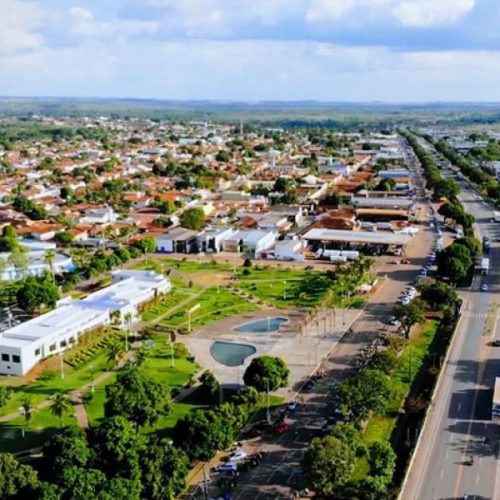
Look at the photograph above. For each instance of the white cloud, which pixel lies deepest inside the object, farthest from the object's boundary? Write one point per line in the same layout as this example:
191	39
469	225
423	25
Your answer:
18	23
421	13
84	23
328	10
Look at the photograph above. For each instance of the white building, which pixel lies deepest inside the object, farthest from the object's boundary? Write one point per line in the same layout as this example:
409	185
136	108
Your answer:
99	216
24	345
254	242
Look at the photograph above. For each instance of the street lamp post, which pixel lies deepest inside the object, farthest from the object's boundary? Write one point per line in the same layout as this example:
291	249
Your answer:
61	359
22	409
268	415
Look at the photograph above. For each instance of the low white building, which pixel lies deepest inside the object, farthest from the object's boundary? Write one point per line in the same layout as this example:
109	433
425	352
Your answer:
212	238
99	216
254	242
24	345
290	250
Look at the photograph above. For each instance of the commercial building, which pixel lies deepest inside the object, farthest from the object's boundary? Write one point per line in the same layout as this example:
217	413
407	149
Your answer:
24	345
357	238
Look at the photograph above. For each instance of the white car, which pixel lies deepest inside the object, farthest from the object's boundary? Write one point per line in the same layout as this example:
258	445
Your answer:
292	406
237	456
484	288
228	467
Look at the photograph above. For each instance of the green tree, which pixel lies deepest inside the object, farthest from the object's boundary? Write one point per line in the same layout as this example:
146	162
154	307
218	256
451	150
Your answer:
68	448
118	446
136	397
164	469
60	405
64	237
454	262
18	258
328	463
351	436
114	352
209	385
363	393
438	294
385	361
409	315
382	460
193	218
37	291
216	434
266	373
8	240
5	393
146	245
367	488
17	481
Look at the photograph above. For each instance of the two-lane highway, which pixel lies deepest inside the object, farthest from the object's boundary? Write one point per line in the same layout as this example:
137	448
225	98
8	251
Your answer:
459	426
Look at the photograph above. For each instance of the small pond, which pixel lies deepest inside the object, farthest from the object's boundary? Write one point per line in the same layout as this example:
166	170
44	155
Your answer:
261	325
229	354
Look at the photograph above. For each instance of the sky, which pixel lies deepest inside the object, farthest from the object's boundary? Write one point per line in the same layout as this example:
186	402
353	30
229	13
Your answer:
252	50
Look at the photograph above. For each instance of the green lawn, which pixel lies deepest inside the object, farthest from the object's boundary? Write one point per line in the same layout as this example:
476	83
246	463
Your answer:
41	427
283	287
50	382
215	303
380	426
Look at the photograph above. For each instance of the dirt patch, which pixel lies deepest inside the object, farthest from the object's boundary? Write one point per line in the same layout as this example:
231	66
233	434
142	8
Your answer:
210	279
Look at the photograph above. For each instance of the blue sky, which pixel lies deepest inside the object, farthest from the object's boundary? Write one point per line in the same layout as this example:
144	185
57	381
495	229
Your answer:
250	50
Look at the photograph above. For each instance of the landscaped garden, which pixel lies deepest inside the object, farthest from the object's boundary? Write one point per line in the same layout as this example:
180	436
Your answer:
283	287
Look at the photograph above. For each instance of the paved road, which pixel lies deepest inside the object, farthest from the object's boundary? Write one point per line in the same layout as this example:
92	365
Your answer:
274	478
459	421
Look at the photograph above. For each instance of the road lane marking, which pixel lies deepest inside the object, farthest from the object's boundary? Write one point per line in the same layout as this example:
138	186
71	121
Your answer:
441	474
477	479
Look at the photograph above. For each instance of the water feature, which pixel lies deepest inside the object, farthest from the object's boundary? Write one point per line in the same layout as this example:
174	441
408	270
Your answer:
261	325
230	354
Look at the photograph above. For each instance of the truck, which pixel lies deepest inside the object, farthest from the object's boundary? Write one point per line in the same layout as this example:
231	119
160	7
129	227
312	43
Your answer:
495	406
485	265
495	217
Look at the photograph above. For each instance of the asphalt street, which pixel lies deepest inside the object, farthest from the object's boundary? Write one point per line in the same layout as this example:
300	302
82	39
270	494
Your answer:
275	477
459	420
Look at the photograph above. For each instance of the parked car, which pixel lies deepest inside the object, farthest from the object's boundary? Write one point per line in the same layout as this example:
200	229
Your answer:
237	456
229	467
496	343
292	406
281	428
484	288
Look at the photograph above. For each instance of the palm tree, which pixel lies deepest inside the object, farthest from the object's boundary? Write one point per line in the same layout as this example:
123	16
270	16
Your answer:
49	259
19	259
114	352
128	321
60	405
27	410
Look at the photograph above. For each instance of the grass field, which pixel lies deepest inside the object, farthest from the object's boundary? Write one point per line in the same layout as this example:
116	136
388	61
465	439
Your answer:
380	426
214	304
41	427
283	287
